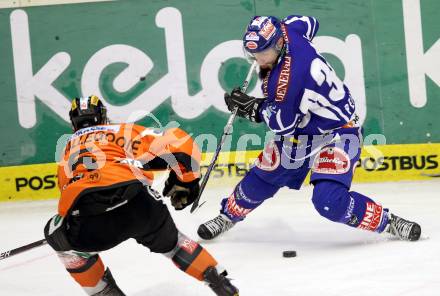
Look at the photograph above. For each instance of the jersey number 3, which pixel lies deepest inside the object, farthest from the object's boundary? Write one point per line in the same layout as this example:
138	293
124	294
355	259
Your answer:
323	104
322	72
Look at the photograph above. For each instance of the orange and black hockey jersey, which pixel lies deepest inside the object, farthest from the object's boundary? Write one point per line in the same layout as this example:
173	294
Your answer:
109	156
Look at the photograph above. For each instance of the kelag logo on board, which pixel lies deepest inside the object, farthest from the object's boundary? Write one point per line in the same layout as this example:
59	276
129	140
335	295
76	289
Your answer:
38	84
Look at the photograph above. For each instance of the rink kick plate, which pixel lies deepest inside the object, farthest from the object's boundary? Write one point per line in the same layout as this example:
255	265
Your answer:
378	164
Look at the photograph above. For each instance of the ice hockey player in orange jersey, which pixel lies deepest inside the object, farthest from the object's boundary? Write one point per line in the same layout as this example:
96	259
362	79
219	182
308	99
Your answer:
105	179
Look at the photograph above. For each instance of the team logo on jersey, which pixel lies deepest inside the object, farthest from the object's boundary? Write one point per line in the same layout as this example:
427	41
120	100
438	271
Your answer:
269	159
252	36
251	45
372	217
331	160
283	79
268	30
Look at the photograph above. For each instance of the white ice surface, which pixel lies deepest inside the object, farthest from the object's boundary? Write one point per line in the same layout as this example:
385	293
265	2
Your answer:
332	259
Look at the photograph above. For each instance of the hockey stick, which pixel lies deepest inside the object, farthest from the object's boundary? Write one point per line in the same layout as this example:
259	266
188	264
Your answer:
22	249
226	132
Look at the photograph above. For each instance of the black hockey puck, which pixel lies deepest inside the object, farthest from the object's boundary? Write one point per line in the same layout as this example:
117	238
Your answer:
289	254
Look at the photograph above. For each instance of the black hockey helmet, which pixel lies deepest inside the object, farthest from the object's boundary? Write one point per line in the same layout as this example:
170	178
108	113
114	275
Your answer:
87	112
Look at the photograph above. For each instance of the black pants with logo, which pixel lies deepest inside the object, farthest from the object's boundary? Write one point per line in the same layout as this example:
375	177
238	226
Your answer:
132	212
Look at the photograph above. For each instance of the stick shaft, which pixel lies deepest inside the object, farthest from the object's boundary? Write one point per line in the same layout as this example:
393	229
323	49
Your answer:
226	132
22	249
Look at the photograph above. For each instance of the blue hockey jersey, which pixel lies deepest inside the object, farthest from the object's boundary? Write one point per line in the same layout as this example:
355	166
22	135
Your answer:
304	94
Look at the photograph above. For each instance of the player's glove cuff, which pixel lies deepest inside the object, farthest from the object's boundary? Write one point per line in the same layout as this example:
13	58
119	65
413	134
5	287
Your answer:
182	194
247	106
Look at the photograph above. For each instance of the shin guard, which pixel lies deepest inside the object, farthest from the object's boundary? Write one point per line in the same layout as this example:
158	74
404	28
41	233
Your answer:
191	257
86	269
333	201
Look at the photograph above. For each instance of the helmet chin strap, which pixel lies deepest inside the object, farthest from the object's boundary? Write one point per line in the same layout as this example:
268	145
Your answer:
280	47
281	51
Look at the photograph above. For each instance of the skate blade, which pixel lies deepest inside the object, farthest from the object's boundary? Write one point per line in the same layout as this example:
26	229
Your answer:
395	238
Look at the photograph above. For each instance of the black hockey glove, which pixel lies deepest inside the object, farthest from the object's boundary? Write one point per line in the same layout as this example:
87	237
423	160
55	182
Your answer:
247	106
55	234
182	194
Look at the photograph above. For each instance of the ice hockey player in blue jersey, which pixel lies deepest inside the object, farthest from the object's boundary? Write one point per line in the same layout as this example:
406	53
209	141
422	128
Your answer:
316	128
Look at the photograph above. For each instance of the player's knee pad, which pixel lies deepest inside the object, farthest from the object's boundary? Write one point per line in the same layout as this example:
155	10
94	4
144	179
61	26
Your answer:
191	257
331	199
162	240
87	269
55	233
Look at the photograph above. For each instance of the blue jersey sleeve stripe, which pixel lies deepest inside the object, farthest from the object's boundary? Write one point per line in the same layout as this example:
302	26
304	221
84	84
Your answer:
305	24
314	28
309	27
277	126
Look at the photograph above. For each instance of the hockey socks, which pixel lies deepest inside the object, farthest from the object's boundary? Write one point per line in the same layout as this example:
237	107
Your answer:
250	193
333	201
194	260
87	270
190	257
375	217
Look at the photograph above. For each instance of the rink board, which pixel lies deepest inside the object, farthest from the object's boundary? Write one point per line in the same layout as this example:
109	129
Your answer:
378	164
169	62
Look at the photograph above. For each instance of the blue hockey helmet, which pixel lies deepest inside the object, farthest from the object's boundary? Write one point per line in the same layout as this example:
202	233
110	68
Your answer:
262	32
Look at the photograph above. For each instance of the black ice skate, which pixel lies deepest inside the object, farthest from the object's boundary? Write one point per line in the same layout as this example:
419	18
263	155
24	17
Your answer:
214	227
111	289
219	283
403	229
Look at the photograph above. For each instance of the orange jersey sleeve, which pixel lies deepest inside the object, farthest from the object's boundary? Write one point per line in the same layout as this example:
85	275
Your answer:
173	149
